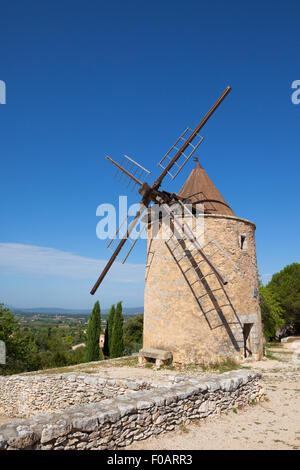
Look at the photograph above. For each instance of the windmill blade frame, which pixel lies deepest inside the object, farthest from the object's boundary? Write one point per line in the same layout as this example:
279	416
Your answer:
117	250
125	170
185	156
144	223
189	140
152	194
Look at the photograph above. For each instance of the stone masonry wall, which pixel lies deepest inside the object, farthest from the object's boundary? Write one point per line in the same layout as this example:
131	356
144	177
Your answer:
115	423
25	396
199	321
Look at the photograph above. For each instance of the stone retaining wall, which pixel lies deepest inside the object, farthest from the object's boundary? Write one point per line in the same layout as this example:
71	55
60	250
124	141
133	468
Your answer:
24	396
115	423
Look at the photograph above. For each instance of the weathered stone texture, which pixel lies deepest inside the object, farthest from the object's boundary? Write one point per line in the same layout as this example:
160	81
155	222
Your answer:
28	395
173	319
116	423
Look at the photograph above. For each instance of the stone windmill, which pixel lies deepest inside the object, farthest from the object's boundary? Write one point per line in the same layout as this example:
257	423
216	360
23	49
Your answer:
201	284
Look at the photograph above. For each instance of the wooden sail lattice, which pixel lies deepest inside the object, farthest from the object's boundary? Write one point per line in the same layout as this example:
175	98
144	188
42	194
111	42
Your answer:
185	156
133	170
119	234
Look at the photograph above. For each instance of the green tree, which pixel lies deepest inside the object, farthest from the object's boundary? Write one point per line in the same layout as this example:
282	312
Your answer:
106	346
133	334
285	285
117	345
93	352
108	331
77	355
272	313
69	340
20	345
60	359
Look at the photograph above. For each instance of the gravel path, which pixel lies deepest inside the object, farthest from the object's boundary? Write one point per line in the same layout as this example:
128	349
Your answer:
272	424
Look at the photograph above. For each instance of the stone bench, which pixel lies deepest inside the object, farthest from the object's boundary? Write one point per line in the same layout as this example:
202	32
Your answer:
161	357
290	339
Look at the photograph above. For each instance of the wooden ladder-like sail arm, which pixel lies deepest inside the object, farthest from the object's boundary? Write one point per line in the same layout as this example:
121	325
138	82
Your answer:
184	146
118	249
137	181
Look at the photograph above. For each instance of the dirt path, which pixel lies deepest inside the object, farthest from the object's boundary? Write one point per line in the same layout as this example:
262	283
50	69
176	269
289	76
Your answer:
272	424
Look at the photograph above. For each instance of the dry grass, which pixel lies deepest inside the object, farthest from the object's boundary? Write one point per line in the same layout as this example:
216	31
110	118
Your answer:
89	367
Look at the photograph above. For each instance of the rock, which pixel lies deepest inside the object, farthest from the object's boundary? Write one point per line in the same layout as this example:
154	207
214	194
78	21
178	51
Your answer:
160	419
47	447
126	408
85	424
91	380
71	378
213	385
24	440
52	431
133	386
228	385
81	445
144	404
185	391
203	408
3	443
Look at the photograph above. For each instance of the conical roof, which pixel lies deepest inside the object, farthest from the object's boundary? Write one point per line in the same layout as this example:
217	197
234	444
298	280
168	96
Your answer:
199	188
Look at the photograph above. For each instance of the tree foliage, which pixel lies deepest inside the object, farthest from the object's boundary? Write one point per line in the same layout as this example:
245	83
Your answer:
20	346
108	331
133	334
93	351
271	312
286	286
280	303
106	341
117	344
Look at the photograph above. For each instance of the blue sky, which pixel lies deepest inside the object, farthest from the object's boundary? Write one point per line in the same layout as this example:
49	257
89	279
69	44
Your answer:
86	79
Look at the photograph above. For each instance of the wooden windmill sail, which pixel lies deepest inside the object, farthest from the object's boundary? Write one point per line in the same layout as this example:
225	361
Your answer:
171	163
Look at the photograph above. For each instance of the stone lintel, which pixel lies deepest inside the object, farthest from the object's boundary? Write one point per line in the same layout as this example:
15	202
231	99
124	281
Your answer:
155	354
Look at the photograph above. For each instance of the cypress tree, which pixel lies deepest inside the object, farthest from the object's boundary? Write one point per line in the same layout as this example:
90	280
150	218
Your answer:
108	331
106	339
93	352
117	345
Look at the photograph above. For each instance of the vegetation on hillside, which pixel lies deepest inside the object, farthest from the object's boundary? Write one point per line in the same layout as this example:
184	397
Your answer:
280	303
32	349
43	341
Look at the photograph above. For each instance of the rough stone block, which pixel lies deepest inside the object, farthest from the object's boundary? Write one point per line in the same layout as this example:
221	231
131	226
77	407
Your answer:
155	354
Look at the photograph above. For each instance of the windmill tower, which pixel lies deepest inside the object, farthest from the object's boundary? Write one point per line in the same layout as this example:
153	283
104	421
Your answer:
201	284
188	310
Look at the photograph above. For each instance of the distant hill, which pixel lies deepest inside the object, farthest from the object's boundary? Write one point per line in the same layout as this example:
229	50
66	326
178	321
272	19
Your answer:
64	311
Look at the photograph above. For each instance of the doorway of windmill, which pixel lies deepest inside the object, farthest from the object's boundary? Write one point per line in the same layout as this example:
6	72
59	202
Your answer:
247	344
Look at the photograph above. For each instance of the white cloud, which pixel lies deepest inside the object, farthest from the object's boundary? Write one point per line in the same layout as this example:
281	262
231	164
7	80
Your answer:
31	260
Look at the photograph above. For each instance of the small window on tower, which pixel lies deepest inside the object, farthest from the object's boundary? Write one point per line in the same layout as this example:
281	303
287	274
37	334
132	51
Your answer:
243	242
